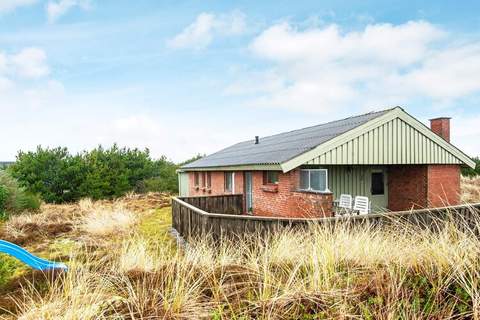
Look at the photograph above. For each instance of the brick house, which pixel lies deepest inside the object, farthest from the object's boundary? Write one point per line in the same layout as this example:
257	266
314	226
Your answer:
388	156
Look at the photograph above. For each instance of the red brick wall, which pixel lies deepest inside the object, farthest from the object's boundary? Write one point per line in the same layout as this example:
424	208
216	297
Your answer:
285	201
443	185
441	126
407	187
218	184
282	200
422	186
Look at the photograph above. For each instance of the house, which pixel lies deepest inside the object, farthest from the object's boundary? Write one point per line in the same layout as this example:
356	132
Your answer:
388	156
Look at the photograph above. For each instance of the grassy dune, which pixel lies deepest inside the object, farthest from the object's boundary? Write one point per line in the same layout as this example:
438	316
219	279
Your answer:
124	265
470	189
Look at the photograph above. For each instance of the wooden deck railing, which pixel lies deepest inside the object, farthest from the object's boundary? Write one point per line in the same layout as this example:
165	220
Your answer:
191	221
226	204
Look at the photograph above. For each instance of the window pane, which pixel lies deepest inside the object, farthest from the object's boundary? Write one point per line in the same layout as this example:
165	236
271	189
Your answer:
228	181
323	180
209	179
315	180
304	179
318	180
272	177
377	183
196	178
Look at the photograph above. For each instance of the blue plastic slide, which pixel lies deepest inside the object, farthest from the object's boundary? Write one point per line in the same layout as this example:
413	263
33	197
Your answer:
28	258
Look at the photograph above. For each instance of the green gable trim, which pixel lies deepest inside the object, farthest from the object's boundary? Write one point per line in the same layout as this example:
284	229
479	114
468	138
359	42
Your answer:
393	138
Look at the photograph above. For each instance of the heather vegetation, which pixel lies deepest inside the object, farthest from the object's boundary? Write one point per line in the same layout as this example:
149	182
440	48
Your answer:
59	176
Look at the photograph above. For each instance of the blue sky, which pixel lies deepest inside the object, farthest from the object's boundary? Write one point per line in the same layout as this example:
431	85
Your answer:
187	77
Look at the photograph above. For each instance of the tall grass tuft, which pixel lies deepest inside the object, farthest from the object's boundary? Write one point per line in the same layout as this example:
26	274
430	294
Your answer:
470	192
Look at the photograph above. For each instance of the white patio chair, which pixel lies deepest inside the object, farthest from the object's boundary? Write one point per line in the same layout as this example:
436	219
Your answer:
362	205
345	203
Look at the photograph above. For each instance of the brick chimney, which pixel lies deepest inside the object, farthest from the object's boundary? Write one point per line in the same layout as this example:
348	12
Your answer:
441	126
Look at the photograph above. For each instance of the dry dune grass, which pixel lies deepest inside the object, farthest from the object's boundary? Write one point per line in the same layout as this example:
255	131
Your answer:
398	272
470	189
100	217
339	272
105	222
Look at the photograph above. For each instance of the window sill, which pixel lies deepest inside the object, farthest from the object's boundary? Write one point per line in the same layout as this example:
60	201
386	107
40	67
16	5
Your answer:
328	192
270	188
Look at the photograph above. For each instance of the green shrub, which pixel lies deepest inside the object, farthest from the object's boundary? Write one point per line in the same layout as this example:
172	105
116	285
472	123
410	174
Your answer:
13	198
3	201
28	201
9	269
101	173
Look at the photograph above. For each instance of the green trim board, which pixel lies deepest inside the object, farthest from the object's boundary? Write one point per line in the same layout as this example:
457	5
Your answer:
393	138
252	167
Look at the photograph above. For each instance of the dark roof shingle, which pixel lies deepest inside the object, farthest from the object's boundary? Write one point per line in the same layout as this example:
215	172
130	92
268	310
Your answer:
282	147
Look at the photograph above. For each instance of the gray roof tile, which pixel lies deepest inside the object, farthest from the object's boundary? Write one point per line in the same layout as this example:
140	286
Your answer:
282	147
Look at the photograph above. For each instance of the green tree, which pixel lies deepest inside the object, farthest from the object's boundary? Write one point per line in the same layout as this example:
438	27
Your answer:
53	173
165	177
101	173
194	158
469	172
107	173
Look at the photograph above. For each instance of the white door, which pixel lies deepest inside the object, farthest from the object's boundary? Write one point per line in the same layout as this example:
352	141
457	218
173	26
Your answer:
183	184
377	185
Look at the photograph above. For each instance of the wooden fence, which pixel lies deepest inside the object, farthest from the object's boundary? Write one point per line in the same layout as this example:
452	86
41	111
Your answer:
226	204
190	221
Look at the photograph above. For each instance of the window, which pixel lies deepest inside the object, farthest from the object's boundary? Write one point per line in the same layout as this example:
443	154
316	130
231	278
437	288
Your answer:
196	179
270	177
209	180
229	181
314	180
204	179
378	186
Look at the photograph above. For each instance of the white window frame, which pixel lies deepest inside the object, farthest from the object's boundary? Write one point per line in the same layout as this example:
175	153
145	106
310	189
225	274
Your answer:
309	186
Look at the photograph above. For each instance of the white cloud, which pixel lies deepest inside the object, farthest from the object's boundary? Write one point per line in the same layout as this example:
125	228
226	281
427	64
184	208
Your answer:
206	26
10	5
17	70
325	69
3	63
29	63
448	74
382	43
56	9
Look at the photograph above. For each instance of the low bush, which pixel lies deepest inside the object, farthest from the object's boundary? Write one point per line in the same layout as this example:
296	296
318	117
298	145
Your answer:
13	198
